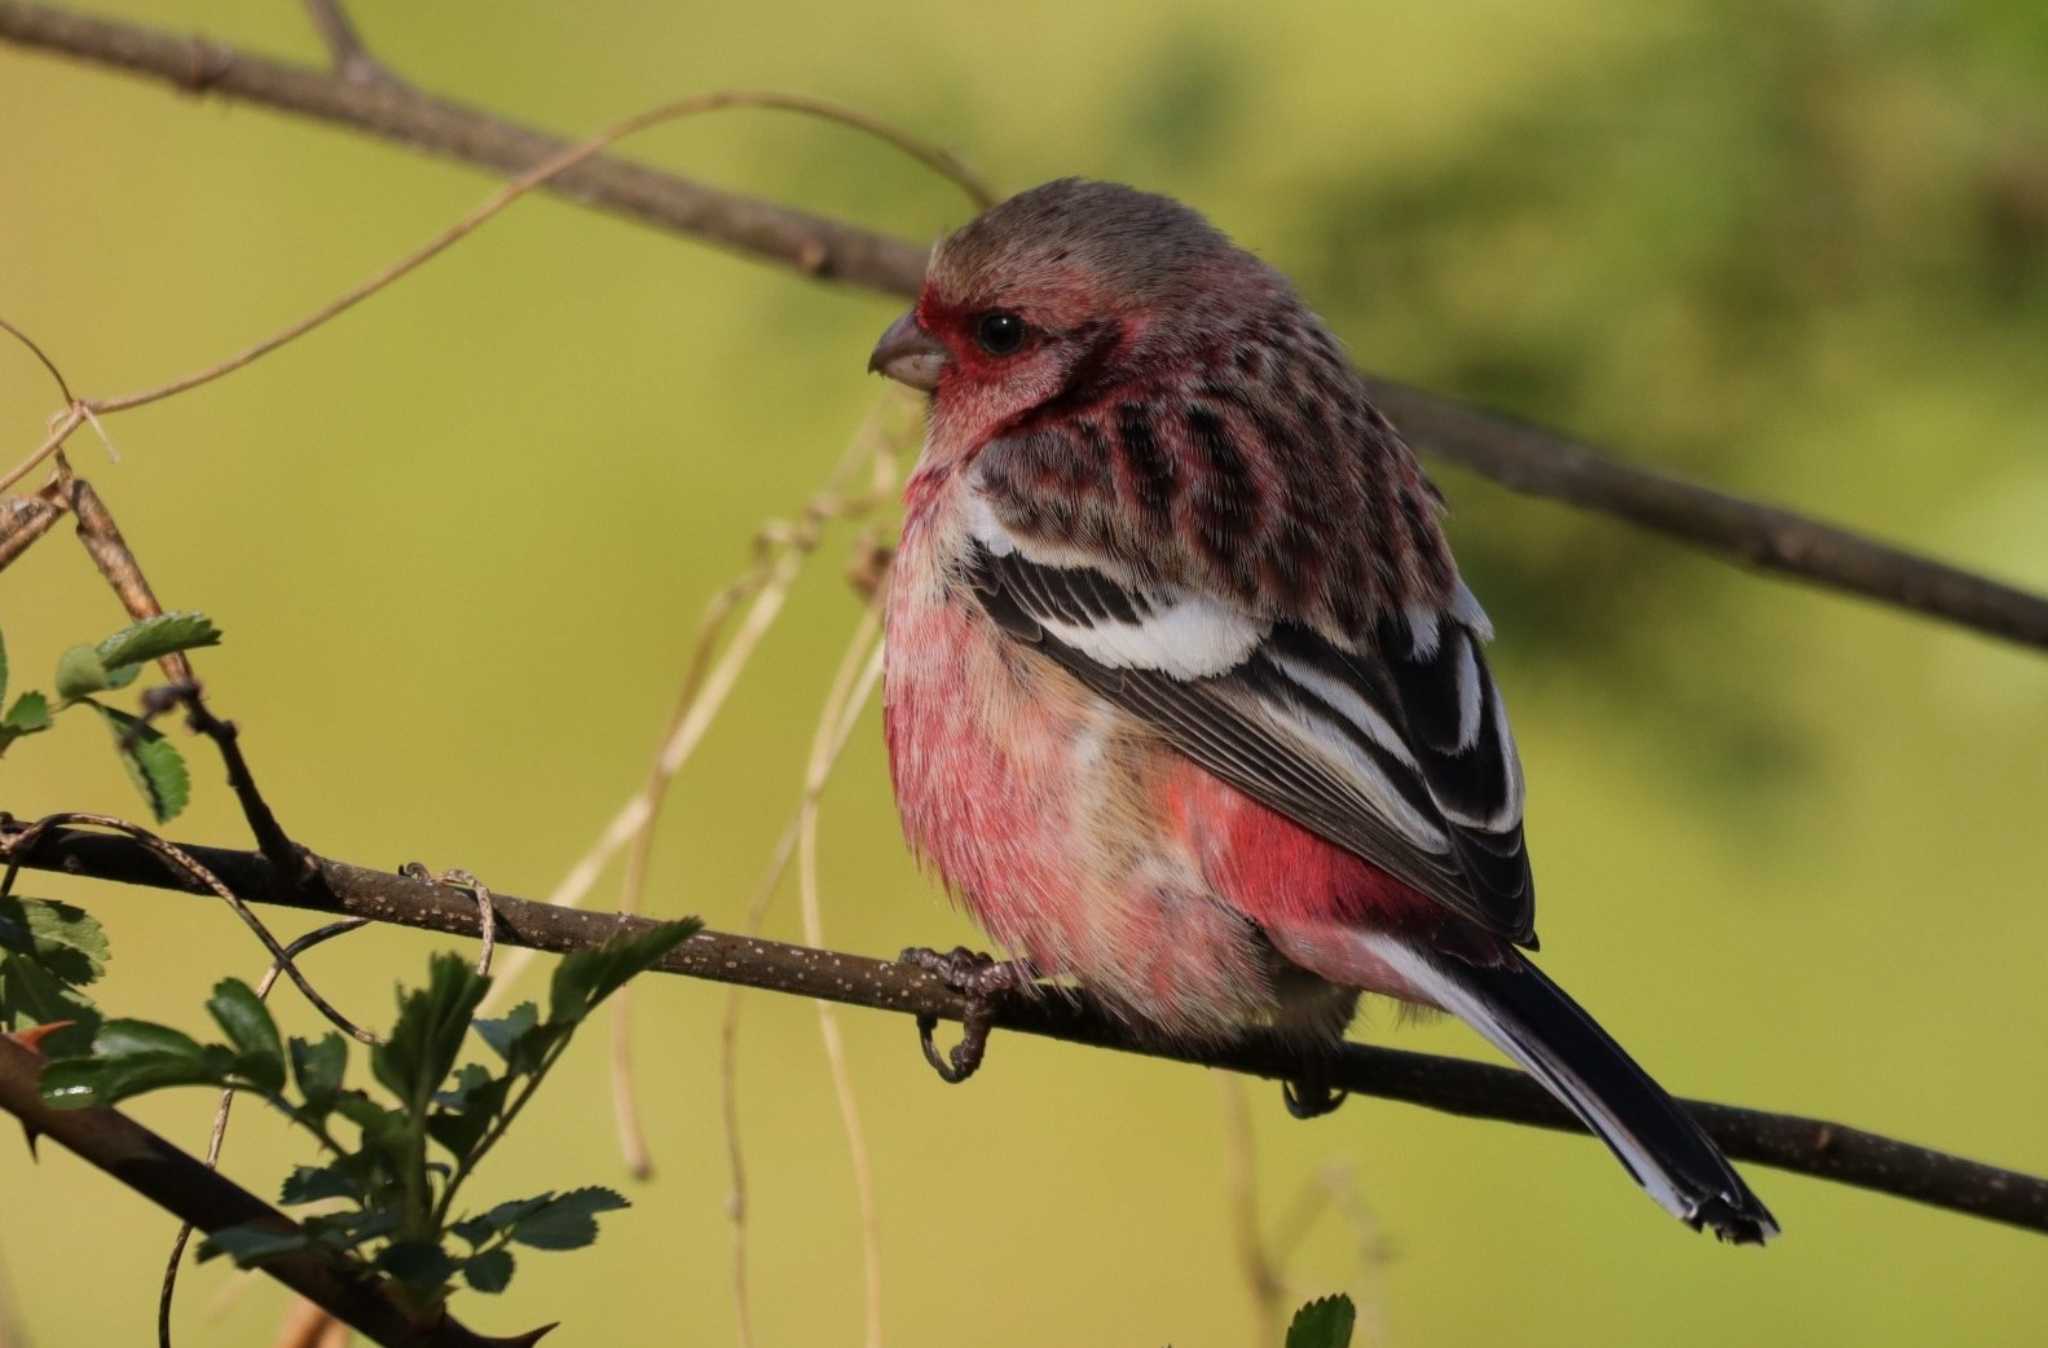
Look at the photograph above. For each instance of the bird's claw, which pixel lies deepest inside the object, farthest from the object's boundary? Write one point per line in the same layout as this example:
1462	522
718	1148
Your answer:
1312	1097
982	980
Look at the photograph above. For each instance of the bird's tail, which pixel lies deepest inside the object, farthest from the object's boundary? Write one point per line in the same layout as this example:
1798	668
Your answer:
1529	1018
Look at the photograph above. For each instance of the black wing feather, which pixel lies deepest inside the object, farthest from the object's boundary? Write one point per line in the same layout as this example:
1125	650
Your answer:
1450	775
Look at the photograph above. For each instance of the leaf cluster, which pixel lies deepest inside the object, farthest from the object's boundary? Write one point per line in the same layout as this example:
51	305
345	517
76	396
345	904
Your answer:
49	952
152	763
392	1161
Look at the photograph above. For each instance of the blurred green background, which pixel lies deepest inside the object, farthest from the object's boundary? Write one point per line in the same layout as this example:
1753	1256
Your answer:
1788	843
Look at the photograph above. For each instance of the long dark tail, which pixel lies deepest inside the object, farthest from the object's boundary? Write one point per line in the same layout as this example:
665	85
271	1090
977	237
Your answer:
1529	1018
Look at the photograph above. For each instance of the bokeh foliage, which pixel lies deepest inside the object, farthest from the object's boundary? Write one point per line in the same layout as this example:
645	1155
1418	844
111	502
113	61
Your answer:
1784	841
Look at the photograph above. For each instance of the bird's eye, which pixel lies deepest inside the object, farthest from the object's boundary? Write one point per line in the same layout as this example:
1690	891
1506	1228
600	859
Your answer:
999	333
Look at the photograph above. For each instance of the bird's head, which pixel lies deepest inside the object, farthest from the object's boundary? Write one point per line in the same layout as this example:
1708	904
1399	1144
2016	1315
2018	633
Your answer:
1059	296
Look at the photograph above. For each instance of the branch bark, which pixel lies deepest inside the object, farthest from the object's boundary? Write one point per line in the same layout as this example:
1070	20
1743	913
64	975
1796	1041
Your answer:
1521	457
184	1187
1477	1090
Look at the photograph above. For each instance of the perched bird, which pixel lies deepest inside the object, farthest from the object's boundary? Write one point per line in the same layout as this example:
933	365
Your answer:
1185	698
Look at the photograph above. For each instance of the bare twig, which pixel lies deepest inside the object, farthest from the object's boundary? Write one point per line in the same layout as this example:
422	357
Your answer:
181	863
352	60
1804	1146
63	389
1241	1192
286	857
220	1119
182	1186
1521	457
859	670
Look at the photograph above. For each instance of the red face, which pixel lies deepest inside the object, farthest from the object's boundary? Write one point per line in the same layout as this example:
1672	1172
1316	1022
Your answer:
989	361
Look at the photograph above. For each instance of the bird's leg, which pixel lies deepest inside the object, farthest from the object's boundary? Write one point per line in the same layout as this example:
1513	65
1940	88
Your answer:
982	980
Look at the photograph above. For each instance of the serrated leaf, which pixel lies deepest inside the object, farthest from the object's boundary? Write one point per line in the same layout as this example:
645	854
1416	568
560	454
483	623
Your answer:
431	1024
490	1271
30	715
250	1244
154	638
478	1229
585	978
418	1264
318	1068
62	937
310	1183
467	1112
154	765
30	995
347	1230
503	1035
81	673
568	1222
1323	1323
237	1009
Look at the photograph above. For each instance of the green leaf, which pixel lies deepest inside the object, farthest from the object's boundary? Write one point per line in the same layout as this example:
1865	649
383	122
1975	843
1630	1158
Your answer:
154	638
130	1057
481	1228
250	1244
241	1013
318	1068
431	1024
310	1183
347	1230
568	1222
584	979
418	1264
1324	1323
3	668
30	715
156	768
81	673
126	1038
467	1112
79	1083
504	1035
489	1271
30	994
62	937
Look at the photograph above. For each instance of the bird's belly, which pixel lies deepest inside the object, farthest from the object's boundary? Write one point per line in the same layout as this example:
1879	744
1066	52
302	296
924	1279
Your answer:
1036	802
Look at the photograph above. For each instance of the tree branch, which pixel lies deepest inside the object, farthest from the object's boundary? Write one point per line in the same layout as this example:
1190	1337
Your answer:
1521	457
352	60
1804	1146
185	1188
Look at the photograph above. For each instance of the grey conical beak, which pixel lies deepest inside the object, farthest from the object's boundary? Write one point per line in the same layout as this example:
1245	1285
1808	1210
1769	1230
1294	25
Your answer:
909	355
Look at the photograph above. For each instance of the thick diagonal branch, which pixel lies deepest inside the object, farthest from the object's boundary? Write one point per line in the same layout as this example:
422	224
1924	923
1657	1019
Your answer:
1804	1146
1524	458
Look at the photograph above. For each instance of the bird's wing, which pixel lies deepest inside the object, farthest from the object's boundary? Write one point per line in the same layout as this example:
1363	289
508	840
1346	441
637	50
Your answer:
1398	751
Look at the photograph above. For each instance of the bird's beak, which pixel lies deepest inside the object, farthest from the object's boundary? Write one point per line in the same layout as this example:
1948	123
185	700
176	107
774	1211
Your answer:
909	355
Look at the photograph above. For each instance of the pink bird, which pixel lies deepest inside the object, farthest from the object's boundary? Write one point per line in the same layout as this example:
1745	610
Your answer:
1185	698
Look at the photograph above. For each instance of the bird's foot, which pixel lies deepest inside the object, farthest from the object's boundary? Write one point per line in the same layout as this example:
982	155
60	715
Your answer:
983	980
1310	1096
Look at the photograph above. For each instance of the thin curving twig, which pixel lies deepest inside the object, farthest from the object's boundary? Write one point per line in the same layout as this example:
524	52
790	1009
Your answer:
180	861
859	670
